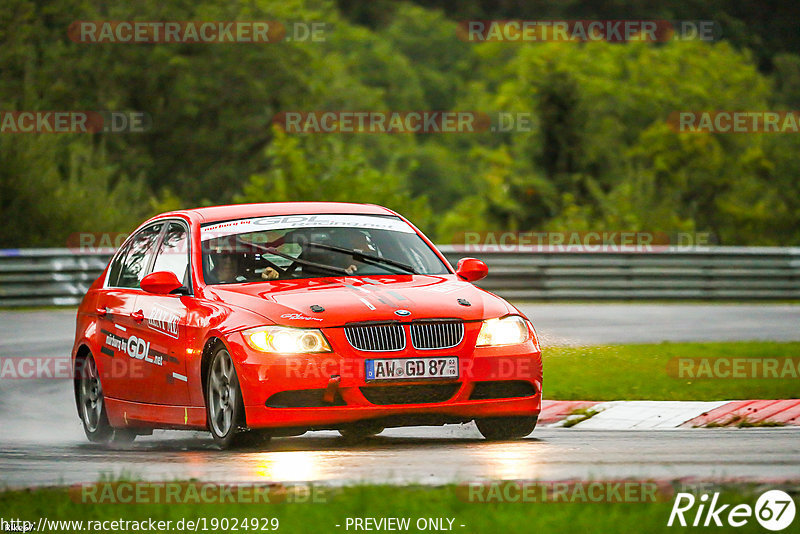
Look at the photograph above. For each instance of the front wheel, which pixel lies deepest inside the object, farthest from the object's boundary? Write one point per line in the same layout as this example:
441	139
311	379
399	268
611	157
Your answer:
224	404
503	428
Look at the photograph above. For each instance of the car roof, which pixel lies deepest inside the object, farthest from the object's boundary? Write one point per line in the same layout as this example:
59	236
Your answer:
266	209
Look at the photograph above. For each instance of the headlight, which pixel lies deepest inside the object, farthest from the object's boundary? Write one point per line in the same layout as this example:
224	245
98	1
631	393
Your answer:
285	340
510	330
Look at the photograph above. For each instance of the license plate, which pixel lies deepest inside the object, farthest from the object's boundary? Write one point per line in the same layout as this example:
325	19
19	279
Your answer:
412	368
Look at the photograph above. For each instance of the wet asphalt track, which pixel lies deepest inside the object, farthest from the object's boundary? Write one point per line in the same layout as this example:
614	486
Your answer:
41	442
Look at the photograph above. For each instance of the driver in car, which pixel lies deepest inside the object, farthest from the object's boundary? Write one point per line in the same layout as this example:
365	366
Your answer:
360	242
354	240
226	269
224	266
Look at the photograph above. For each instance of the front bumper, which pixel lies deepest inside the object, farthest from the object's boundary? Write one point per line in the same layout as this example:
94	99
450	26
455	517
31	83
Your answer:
333	391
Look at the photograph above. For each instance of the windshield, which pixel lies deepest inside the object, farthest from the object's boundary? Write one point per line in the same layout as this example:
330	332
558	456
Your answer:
312	246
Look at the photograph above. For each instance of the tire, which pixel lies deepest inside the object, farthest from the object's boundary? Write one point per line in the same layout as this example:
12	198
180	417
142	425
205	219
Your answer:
360	431
224	404
91	404
504	428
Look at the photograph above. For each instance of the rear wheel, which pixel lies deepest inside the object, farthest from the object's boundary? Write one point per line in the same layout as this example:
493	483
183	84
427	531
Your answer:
503	428
225	407
91	406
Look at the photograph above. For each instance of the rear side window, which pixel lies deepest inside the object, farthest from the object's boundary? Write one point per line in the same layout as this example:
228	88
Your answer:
116	267
173	255
138	255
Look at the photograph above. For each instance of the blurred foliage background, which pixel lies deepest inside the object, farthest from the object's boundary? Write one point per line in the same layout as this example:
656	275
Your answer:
599	155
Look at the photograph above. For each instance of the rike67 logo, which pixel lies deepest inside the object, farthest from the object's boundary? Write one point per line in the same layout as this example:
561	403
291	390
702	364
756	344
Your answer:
774	510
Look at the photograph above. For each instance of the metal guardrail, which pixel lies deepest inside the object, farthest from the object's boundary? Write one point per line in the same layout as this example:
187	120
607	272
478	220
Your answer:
60	277
712	273
48	277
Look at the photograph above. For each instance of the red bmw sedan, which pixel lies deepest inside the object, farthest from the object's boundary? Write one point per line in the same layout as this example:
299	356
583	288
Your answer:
261	320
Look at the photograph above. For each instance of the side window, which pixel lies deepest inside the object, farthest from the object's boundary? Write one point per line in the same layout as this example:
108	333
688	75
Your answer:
140	250
173	256
116	267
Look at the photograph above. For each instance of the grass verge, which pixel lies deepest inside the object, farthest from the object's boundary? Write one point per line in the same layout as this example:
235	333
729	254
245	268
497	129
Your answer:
415	503
640	372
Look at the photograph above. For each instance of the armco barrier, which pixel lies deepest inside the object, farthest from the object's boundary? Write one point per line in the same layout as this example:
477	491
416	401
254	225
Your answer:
711	273
60	277
47	277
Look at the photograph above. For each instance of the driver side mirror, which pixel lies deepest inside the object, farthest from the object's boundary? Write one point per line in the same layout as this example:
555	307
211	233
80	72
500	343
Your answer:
161	283
471	269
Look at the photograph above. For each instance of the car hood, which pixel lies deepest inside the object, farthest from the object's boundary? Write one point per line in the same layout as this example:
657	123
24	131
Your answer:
372	298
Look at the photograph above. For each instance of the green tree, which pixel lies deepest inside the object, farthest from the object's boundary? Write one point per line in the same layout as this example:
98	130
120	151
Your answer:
328	168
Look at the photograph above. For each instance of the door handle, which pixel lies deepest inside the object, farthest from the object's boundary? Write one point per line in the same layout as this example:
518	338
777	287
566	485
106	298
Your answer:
101	312
138	316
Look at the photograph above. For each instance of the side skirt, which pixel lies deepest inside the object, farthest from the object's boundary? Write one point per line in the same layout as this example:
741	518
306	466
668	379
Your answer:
128	414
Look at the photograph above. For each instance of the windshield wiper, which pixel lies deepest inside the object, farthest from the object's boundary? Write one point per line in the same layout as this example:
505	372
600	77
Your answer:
366	258
321	266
